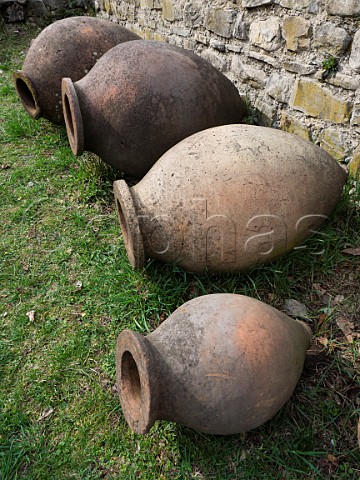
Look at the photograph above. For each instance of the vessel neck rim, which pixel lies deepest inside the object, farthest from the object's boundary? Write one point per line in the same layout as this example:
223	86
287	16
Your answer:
26	91
72	116
129	222
137	382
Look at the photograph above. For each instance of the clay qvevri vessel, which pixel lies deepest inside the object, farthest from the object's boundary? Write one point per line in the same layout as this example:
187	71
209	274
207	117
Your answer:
228	198
143	97
219	364
66	48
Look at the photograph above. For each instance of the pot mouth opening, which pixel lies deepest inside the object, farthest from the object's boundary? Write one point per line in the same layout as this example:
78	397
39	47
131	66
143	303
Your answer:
26	93
122	220
68	116
129	223
72	116
131	384
136	381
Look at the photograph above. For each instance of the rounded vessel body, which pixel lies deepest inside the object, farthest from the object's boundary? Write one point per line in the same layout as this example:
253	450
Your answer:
228	198
67	48
143	97
219	364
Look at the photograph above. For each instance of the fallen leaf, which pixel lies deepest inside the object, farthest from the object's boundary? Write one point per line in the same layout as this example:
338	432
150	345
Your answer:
5	166
295	308
45	414
331	458
345	326
322	319
352	251
323	341
318	288
31	315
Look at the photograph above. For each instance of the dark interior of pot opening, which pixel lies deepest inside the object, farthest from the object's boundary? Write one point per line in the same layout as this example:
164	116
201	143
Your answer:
124	227
68	116
131	385
26	95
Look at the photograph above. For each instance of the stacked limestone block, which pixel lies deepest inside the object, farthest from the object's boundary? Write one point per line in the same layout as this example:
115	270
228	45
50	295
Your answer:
37	11
274	51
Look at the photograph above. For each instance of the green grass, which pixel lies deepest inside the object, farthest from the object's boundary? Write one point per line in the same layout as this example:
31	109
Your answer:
62	256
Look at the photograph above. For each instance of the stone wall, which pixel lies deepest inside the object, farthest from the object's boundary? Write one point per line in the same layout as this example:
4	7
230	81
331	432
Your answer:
41	11
296	61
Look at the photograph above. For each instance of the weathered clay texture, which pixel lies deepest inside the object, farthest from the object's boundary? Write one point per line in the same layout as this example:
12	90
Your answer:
228	198
219	364
66	48
143	97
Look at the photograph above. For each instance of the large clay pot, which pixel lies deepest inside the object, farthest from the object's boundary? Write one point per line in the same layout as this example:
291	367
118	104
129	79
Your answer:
66	48
143	97
219	364
228	198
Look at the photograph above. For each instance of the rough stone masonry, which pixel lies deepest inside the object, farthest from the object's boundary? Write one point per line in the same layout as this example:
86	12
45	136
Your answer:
37	11
297	61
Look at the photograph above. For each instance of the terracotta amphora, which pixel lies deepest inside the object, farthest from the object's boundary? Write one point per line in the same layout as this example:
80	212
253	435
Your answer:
66	48
143	97
219	364
229	198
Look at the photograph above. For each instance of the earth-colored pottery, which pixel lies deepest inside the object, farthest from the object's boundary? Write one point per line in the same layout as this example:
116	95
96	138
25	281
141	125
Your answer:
219	364
143	97
229	198
66	48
